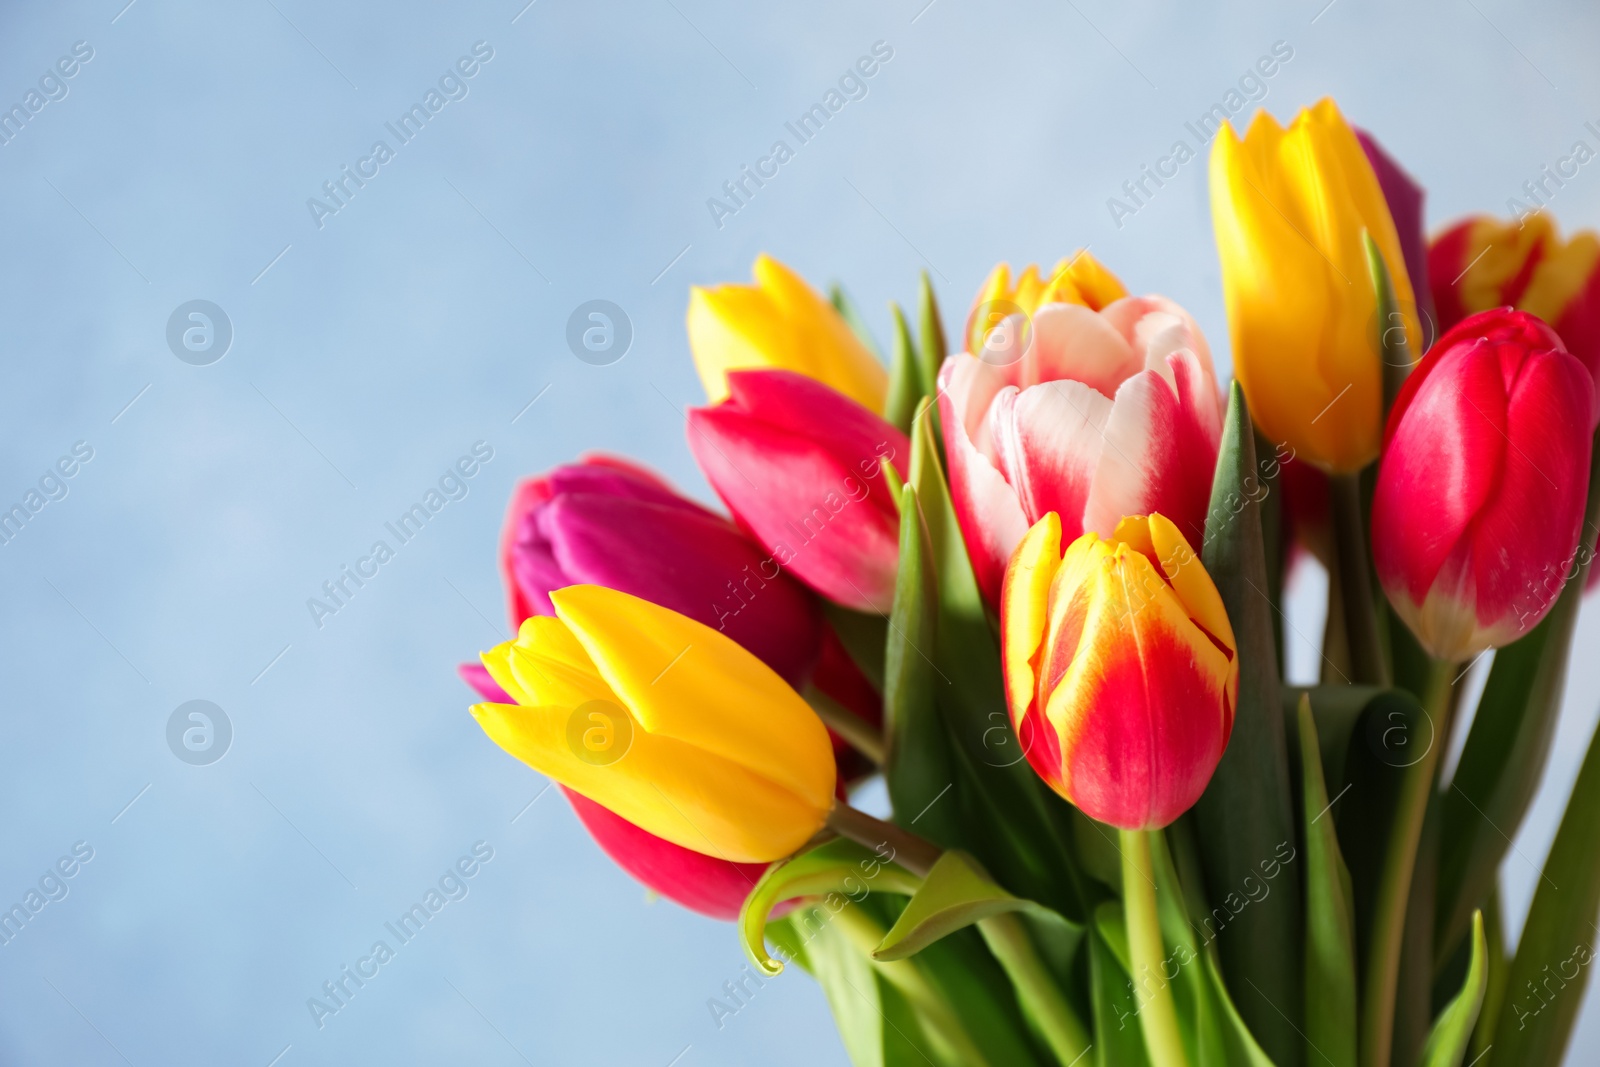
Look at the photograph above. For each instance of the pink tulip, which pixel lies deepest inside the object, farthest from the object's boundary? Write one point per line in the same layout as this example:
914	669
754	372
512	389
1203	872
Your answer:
1480	497
604	521
1102	414
799	465
701	883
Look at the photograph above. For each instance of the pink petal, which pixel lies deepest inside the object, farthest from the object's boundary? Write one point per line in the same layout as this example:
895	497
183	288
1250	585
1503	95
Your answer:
1072	342
991	518
1049	438
1161	450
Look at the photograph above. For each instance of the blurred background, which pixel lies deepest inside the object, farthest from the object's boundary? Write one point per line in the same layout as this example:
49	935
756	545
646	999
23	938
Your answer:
350	354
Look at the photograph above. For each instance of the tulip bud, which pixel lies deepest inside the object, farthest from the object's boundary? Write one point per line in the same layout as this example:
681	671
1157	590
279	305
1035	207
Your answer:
704	884
664	722
780	323
604	521
1482	263
1101	413
1120	668
1480	495
1078	279
799	465
1292	210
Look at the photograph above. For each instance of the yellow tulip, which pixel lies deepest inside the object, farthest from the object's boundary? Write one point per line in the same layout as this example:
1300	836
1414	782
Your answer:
1078	279
780	323
1289	208
664	722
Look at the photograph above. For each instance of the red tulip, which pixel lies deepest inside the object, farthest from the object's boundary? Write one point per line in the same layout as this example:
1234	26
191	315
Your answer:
799	466
1481	488
701	883
604	521
1102	414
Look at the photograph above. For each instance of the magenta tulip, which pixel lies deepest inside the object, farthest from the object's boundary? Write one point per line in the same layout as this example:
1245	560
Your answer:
1480	497
701	883
1102	414
799	465
606	522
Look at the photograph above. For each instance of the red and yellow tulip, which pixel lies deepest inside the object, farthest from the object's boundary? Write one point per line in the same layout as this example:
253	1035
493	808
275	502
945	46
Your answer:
1482	263
1121	670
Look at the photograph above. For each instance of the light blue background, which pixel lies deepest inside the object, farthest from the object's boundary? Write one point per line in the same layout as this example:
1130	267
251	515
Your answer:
424	317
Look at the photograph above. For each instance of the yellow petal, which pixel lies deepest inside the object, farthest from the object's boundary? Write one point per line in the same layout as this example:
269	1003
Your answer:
1290	208
1025	599
686	681
779	324
665	786
1190	580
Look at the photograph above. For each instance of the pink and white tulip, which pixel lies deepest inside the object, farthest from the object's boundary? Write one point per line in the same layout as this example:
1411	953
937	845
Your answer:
1104	414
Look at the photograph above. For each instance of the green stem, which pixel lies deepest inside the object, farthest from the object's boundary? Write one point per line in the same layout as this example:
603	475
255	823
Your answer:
857	732
1355	581
915	854
1036	987
1158	1016
1394	886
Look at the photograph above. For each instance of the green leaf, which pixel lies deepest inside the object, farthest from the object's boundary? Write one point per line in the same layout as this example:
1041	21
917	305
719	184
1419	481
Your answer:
931	349
864	636
919	767
1330	950
1452	1031
1336	710
875	1024
1247	811
1503	761
1010	820
905	375
956	894
1560	927
852	316
840	868
1118	1041
1241	1043
1389	326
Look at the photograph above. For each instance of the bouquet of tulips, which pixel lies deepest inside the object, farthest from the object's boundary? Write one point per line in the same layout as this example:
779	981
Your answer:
1034	580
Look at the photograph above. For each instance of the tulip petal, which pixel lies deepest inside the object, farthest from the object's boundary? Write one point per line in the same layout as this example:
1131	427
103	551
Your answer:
1160	450
667	787
990	515
701	883
1048	440
686	682
691	557
1131	708
1070	341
